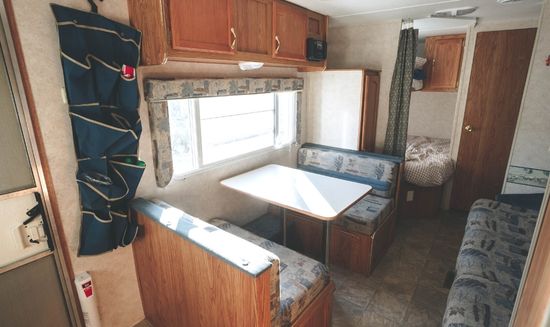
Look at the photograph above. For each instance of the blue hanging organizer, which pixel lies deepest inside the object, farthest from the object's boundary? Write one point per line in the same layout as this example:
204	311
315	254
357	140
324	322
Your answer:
99	58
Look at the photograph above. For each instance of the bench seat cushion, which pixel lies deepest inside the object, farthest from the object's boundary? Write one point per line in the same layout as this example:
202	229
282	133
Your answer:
301	279
376	170
496	242
366	215
490	264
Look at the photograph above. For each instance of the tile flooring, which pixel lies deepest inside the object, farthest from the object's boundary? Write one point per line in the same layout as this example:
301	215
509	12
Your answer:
406	288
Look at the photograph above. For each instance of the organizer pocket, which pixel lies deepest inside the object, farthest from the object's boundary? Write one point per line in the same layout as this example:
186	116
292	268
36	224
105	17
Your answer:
79	81
127	97
94	138
96	235
124	229
128	174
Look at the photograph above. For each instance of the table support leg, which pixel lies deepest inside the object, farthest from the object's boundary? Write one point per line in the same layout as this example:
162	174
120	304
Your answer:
284	226
327	244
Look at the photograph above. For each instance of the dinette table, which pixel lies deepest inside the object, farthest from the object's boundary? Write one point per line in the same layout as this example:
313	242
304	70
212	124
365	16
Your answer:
318	196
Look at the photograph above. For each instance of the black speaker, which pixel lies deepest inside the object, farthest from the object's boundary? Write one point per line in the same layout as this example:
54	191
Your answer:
316	50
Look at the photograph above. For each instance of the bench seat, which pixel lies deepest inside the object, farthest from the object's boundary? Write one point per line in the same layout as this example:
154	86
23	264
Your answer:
490	264
367	214
301	279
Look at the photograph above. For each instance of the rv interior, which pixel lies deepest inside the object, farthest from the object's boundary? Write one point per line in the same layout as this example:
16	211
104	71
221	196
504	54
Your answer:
275	163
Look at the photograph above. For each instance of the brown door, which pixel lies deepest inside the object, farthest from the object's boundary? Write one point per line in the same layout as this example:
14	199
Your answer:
499	71
444	54
289	31
369	115
202	25
253	19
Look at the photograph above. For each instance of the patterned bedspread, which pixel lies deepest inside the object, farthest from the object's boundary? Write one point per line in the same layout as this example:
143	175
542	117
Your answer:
428	161
490	264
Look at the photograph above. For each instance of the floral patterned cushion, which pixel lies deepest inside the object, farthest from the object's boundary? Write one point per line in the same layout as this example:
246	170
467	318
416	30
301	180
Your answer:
301	279
379	171
490	264
367	214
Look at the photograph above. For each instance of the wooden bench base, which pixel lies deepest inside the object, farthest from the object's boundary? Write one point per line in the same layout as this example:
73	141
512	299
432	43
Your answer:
351	250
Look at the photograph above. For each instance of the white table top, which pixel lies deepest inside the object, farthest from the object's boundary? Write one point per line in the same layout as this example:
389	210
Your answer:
315	195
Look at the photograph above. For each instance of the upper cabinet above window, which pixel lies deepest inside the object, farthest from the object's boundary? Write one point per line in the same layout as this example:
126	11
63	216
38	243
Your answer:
202	25
269	31
290	31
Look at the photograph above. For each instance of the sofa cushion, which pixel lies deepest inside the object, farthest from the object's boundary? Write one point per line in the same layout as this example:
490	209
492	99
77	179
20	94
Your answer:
301	279
378	171
475	301
490	264
366	215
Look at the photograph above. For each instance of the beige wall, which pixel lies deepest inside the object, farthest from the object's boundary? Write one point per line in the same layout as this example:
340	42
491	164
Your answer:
372	46
431	114
532	140
114	273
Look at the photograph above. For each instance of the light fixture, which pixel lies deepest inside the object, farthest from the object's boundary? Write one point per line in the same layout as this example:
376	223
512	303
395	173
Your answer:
454	12
250	65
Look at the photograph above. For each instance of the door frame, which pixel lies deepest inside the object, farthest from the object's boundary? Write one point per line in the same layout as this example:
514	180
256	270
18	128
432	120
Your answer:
26	107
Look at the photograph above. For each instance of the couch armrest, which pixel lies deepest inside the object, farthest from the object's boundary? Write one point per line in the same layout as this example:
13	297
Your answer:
191	273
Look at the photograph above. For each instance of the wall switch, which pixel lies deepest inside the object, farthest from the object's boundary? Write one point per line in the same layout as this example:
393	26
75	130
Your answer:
410	196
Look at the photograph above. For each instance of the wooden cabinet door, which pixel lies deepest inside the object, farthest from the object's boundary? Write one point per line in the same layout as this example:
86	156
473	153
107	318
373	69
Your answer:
369	115
444	54
253	19
202	25
289	31
316	26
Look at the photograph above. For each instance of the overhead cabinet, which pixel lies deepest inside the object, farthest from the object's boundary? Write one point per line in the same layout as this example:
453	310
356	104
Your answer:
269	31
203	25
444	55
290	31
253	26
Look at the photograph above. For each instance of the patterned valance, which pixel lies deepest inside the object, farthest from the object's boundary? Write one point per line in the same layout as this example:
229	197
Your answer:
158	92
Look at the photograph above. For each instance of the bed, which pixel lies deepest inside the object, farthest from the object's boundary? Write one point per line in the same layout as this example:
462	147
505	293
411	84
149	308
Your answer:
428	161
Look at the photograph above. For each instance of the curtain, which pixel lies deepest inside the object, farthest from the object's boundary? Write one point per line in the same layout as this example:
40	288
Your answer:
400	93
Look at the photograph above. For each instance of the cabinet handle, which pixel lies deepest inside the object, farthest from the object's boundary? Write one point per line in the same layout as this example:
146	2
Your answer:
468	128
234	43
278	42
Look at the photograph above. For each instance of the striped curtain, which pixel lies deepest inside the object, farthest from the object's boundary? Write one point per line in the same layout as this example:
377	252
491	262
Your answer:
400	93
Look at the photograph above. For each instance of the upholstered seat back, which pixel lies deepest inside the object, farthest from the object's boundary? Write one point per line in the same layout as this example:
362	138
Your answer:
376	170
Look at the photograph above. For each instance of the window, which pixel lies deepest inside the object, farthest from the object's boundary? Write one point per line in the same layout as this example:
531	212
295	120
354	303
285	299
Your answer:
206	131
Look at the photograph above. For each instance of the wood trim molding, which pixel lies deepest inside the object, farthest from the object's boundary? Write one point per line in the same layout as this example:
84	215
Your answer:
45	176
534	300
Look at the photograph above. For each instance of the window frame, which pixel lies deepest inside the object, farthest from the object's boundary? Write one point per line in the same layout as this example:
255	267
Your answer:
194	110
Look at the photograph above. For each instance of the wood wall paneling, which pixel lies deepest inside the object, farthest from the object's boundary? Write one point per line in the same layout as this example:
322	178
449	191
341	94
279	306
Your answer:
534	303
499	71
181	284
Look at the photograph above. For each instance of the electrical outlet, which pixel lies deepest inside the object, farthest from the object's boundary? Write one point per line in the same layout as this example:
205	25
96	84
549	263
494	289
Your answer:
410	196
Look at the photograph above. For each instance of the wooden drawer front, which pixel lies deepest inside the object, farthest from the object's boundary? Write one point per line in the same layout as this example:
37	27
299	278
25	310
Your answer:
201	25
290	31
253	19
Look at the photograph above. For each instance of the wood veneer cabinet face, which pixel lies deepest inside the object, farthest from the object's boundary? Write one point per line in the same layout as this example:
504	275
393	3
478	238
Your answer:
444	54
202	25
253	19
290	31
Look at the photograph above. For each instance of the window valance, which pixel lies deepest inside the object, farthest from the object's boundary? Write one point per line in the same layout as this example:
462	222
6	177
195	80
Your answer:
159	92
